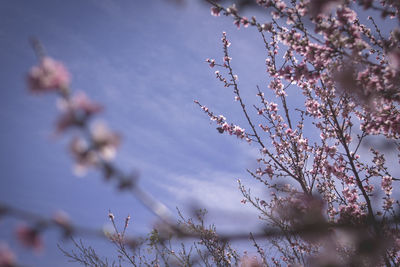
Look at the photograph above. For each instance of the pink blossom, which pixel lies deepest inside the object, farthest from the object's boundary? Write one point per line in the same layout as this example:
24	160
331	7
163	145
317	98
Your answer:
278	87
245	22
275	14
349	180
227	59
225	41
84	156
211	62
273	107
247	261
232	10
369	188
105	141
226	127
350	195
215	11
346	15
351	212
76	111
103	147
313	108
29	237
269	170
387	184
303	143
388	203
266	27
281	5
264	151
239	132
7	257
49	75
331	151
61	218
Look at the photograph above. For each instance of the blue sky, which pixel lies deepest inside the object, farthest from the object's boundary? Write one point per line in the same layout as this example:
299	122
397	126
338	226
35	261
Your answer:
144	61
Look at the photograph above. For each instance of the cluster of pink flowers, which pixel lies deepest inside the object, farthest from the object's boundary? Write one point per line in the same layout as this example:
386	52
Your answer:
93	147
386	122
223	125
351	195
49	75
387	185
77	110
102	147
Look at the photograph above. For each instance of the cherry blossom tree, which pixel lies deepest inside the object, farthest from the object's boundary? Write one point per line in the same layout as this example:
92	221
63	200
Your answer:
348	76
332	195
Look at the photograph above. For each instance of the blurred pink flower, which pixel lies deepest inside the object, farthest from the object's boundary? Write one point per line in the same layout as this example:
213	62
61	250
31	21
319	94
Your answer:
394	59
7	257
77	111
29	237
215	11
247	261
105	141
245	22
49	75
61	217
84	157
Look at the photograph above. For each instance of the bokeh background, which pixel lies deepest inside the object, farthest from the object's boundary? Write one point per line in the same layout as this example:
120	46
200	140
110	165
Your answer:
145	62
